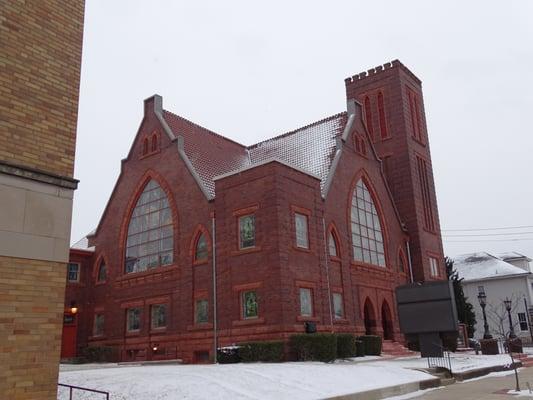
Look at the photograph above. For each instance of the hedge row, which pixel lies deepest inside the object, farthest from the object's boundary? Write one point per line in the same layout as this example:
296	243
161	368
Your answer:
325	347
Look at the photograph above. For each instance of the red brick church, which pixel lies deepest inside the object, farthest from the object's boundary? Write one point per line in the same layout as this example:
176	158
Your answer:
206	242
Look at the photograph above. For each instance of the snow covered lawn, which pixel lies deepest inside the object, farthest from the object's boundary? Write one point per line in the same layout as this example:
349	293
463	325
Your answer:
292	380
237	381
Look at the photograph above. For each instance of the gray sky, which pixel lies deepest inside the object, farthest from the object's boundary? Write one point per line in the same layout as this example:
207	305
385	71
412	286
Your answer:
251	70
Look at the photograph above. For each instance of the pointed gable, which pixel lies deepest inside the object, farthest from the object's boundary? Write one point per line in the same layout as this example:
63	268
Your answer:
310	148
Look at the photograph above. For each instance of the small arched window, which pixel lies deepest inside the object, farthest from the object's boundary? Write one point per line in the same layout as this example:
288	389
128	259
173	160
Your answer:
332	244
382	120
102	272
402	264
154	143
367	237
150	240
145	146
201	250
368	115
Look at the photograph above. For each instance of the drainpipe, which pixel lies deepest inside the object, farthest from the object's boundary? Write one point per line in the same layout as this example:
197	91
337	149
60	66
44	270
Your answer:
327	273
215	344
410	264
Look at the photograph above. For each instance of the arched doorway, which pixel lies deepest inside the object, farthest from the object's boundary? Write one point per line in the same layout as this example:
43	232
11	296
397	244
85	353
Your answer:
386	321
369	318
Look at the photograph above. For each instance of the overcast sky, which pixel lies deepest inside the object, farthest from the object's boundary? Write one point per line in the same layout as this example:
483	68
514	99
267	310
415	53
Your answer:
251	70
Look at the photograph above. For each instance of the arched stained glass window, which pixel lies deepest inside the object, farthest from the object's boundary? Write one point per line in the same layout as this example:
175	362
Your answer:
150	234
332	245
367	237
201	250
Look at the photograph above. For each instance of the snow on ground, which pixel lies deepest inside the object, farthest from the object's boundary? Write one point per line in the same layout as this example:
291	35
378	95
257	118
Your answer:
292	380
527	393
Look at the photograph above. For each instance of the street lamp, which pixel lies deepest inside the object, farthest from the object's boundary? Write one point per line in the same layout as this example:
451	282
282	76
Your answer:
508	304
482	298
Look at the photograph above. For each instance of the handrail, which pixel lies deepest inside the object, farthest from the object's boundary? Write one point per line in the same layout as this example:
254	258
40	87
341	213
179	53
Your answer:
71	387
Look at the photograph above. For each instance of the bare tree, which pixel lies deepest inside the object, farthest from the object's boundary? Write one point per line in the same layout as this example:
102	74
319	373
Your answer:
498	317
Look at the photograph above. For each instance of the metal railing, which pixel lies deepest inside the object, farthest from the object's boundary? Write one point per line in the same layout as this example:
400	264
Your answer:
441	362
72	388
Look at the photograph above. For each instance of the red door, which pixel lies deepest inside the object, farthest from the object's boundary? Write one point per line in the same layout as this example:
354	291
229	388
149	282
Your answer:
68	341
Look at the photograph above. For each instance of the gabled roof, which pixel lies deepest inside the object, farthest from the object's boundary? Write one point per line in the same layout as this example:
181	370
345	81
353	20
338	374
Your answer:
482	265
83	244
513	255
310	149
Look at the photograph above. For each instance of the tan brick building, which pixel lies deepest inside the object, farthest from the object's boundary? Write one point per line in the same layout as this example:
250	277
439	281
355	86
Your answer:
40	59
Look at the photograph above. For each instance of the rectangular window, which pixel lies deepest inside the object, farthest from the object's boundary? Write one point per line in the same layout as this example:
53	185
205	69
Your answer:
159	316
423	175
338	308
133	319
481	289
73	272
306	302
300	221
246	231
202	311
522	320
98	329
250	307
433	267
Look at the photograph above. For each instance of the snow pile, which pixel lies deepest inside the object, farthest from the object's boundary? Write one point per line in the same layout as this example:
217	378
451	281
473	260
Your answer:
482	265
237	381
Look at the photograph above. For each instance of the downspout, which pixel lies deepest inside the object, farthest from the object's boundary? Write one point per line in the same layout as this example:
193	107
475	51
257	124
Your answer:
327	273
410	264
215	341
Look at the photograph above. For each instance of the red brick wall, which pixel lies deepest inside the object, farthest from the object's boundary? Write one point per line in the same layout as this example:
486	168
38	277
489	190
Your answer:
399	152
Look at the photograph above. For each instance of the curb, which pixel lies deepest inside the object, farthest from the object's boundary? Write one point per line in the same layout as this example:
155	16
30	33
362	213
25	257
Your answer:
389	391
476	373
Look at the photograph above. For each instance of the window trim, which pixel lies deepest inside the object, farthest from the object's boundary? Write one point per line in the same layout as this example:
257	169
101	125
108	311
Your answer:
196	300
311	300
520	322
294	209
138	330
306	233
238	214
78	273
198	232
332	230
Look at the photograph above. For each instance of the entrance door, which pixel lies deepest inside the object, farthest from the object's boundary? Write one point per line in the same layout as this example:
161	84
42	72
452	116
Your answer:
68	340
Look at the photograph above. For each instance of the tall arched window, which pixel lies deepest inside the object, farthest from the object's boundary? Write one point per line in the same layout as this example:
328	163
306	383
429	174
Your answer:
332	244
145	146
201	249
154	143
368	115
367	237
382	120
150	235
102	272
402	263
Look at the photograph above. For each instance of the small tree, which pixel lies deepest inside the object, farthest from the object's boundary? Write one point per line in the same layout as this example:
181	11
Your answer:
499	318
465	310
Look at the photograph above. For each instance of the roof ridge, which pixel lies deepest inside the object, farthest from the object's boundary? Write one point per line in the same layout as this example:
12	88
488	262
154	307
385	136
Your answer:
205	129
296	130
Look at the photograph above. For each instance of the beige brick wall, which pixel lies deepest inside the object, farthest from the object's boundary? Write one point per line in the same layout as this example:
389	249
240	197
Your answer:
40	58
31	318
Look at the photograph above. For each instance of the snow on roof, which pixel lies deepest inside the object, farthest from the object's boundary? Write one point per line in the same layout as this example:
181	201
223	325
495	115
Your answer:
83	244
482	265
513	255
310	148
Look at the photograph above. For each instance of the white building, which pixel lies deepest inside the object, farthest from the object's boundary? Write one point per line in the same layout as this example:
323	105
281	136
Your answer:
499	277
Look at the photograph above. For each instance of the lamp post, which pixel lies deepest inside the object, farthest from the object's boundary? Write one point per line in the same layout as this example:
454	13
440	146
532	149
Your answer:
482	298
508	304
